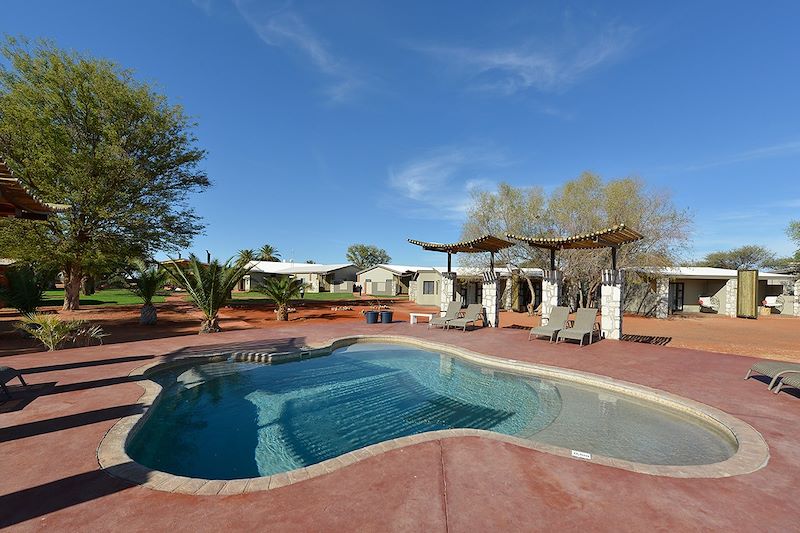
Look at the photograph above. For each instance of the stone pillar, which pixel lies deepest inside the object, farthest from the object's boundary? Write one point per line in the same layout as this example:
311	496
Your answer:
412	291
446	291
511	286
731	294
612	304
662	297
491	300
551	293
797	298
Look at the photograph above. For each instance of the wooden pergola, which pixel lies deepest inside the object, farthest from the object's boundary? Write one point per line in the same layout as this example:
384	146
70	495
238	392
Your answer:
486	243
612	237
17	201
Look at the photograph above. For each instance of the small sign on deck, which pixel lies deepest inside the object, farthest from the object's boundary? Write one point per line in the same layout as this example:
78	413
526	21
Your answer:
581	455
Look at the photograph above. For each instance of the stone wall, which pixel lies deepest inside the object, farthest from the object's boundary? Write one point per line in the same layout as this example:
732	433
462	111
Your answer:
662	297
551	292
612	293
731	291
491	303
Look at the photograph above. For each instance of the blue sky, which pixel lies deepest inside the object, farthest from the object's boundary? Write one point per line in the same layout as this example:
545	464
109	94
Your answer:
329	123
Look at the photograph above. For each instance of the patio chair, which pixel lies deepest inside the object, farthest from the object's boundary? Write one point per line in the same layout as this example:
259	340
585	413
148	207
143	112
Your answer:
709	304
473	314
585	324
558	317
453	308
776	370
7	374
790	380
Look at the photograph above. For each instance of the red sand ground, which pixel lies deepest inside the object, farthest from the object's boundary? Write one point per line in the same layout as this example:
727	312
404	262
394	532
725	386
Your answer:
773	337
49	475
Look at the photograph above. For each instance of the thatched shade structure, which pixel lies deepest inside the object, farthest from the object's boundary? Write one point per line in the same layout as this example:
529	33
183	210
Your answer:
18	202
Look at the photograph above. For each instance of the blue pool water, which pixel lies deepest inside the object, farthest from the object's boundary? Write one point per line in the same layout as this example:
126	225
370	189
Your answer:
230	420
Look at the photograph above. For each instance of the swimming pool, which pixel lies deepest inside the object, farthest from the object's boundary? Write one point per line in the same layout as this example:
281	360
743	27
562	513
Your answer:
233	420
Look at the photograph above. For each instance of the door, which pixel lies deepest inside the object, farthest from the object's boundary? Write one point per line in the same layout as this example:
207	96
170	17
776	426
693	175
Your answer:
676	296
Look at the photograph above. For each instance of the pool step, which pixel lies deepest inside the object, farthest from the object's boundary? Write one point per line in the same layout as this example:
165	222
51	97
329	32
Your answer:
277	357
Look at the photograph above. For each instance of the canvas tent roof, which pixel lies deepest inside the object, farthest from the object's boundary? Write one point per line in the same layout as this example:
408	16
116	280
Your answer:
280	267
706	273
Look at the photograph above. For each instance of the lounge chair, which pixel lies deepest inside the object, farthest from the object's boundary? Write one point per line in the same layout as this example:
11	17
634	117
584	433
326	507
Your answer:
777	370
473	314
558	317
453	308
7	374
789	380
585	324
708	304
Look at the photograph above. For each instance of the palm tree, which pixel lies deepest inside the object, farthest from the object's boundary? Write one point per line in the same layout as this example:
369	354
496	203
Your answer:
146	283
282	290
247	255
208	285
269	253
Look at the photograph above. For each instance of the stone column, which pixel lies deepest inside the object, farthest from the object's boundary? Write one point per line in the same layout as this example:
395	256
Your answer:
731	293
551	293
612	304
491	300
797	298
412	291
662	297
446	291
511	286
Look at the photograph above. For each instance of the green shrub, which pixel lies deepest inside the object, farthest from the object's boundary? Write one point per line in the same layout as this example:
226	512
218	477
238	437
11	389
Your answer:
26	286
53	332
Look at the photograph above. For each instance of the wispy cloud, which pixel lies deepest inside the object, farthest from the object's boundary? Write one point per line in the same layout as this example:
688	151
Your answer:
438	184
776	150
285	28
550	68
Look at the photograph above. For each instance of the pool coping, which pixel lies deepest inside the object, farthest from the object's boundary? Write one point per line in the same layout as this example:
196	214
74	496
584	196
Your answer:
752	453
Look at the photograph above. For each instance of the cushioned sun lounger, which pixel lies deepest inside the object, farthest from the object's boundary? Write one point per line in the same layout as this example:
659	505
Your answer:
472	315
776	370
7	374
453	308
558	317
789	380
585	324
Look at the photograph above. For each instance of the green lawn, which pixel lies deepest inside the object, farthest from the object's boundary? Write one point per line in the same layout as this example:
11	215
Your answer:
104	297
313	296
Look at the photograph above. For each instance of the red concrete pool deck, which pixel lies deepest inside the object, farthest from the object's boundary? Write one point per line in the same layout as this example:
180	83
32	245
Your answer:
49	476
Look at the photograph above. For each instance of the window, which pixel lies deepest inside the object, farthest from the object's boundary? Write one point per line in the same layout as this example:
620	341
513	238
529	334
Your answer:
428	287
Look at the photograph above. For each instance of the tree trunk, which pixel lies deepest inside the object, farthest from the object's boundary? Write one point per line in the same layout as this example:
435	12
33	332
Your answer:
282	312
210	325
72	288
89	283
148	316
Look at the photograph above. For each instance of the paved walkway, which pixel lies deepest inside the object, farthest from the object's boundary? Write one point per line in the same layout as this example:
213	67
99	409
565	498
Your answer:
49	475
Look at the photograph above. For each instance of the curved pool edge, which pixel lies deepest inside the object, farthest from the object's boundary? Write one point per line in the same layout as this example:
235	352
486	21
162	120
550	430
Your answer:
752	453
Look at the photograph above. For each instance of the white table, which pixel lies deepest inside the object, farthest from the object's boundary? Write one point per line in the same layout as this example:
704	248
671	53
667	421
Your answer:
412	317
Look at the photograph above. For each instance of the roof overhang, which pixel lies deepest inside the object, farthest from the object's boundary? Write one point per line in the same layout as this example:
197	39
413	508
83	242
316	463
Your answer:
18	202
487	243
612	237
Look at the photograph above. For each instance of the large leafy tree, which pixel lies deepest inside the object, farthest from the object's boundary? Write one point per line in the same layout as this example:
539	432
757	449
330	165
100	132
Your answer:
748	256
584	204
366	255
84	132
793	231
